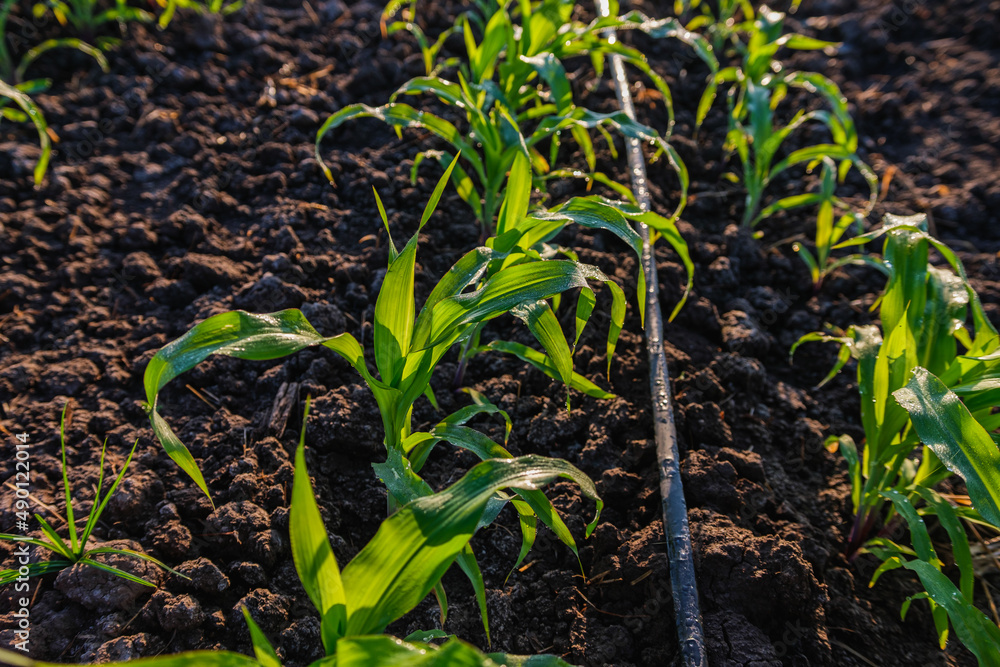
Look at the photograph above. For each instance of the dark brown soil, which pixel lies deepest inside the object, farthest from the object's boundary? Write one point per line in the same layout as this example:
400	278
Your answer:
182	188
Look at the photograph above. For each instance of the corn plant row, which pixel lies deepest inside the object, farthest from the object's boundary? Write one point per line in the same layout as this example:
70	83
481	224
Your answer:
917	391
927	412
516	270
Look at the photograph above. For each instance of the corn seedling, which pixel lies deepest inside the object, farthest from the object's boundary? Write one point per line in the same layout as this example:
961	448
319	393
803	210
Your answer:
918	392
513	79
219	7
15	91
758	85
720	21
830	228
28	111
87	17
923	311
408	347
75	549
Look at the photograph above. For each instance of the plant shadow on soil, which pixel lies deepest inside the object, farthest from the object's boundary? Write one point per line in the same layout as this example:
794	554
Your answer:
182	190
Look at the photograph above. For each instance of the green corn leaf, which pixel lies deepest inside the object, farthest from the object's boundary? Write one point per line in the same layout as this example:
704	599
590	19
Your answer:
418	445
405	486
435	197
466	560
624	125
481	405
465	272
986	338
896	357
946	426
460	436
617	322
906	292
394	309
866	346
905	607
95	513
135	554
394	315
979	634
789	203
55	542
544	326
431	398
200	658
801	42
551	70
849	450
918	529
34	569
393	252
13	115
584	307
810	261
670	28
887	565
312	553
668	229
529	531
176	450
74	546
959	540
33	112
73	43
401	115
931	470
87	560
843	354
544	24
464	186
979	394
518	193
245	336
414	546
262	647
505	290
535	503
540	361
945	313
622	191
495	38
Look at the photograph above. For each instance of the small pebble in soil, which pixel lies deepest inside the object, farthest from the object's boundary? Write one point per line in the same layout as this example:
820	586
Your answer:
177	612
741	333
203	575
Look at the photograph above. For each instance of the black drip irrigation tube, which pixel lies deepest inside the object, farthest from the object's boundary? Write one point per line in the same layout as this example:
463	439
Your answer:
687	612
